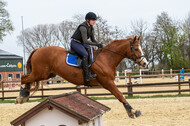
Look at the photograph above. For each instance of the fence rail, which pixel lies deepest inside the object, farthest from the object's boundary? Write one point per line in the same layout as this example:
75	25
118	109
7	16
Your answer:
129	86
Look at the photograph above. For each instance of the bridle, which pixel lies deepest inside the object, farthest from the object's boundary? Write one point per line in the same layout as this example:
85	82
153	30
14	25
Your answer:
132	53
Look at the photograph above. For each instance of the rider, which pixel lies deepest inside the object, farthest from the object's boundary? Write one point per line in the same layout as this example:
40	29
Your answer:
80	43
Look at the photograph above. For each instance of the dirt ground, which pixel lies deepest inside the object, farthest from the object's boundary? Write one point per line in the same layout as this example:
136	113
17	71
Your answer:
156	112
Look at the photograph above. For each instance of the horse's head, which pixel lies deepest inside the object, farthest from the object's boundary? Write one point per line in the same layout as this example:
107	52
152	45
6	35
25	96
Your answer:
137	53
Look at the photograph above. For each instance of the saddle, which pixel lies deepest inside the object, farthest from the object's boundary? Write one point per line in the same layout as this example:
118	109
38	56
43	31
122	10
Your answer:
73	59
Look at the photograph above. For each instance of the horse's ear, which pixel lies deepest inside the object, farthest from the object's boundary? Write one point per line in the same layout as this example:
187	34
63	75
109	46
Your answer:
139	37
134	40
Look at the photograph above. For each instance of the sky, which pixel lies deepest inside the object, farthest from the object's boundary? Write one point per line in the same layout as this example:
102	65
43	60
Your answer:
117	12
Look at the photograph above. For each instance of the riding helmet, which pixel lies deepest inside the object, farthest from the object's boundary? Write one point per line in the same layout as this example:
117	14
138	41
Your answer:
90	16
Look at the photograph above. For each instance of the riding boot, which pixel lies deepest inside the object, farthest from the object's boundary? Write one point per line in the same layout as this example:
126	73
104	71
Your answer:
92	75
86	73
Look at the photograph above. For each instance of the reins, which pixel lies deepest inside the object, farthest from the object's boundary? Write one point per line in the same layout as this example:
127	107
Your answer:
132	53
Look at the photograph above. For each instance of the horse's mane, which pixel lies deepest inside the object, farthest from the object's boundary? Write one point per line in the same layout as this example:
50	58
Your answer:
114	43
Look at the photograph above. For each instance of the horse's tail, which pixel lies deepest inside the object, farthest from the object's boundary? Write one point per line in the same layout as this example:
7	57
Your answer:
29	66
35	85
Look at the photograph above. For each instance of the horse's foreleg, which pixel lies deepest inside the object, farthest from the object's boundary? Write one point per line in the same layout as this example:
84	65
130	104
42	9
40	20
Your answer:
132	113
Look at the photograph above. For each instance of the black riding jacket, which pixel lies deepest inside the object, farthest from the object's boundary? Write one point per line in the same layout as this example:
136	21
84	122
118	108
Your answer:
83	33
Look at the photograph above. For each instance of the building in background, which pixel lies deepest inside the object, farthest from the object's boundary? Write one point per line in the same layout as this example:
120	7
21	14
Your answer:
11	66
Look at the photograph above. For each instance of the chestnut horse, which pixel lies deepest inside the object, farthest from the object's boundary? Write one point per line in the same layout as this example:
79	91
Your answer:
46	62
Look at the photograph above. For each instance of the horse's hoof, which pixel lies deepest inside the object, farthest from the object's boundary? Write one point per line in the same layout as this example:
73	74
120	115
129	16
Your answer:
131	114
21	100
134	113
138	113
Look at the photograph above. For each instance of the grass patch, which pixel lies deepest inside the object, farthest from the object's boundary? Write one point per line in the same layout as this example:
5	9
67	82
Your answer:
109	98
13	101
102	98
137	97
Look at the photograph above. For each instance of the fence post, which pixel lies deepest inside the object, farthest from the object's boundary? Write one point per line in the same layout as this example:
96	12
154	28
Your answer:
171	73
179	85
85	91
2	86
78	89
117	79
162	73
125	77
42	85
130	90
140	76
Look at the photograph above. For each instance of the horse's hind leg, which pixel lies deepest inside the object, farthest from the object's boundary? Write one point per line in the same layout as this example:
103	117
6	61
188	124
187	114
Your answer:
29	78
26	81
110	85
24	90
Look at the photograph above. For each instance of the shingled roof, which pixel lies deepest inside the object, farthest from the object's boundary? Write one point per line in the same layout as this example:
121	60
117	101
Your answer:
7	55
74	104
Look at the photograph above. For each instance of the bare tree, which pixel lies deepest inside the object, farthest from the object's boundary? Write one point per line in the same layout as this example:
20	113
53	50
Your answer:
66	30
103	31
78	18
39	36
139	28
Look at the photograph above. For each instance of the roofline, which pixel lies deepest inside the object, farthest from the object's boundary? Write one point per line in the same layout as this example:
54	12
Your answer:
8	53
65	94
22	117
61	95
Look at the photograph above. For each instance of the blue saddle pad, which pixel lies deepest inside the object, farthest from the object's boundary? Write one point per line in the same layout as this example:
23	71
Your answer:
71	60
74	60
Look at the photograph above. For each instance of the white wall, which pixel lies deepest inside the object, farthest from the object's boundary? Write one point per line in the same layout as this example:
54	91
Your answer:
51	118
55	118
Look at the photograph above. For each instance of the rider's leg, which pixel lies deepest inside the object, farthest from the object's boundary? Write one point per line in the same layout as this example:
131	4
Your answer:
88	49
80	49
